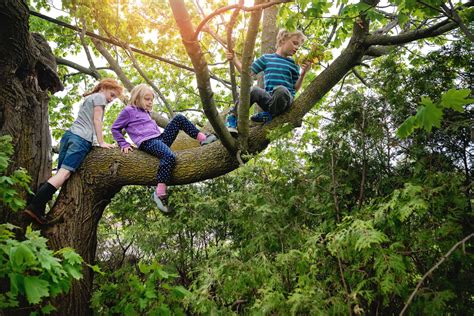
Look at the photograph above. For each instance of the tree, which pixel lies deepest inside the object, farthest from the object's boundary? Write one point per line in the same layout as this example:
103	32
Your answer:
28	73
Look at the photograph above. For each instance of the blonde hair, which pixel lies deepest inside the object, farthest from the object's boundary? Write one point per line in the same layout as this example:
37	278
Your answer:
284	35
107	83
137	94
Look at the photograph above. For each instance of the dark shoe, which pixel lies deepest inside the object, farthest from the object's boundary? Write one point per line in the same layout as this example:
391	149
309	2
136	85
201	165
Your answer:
35	214
262	117
210	138
162	203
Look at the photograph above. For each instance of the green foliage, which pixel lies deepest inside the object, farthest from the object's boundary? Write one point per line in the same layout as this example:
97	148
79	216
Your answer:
147	290
34	272
11	182
431	114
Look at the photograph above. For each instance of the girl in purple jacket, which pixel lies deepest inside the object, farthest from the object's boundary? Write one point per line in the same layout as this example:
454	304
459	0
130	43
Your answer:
136	120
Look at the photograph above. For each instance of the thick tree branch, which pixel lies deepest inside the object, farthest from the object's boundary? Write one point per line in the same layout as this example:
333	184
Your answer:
194	51
432	31
377	51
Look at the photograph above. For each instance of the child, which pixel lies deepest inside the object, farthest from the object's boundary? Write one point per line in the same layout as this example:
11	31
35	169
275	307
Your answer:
282	79
76	143
142	129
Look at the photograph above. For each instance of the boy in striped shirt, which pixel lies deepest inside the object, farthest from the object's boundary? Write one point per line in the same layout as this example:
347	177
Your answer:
282	79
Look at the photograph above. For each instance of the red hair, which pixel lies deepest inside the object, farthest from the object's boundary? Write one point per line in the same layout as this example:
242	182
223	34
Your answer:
107	83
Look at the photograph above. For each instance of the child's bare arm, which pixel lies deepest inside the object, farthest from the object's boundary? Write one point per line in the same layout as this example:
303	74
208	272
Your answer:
98	112
304	69
232	57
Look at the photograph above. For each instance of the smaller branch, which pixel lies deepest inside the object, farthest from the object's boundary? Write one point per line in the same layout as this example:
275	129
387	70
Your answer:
453	15
231	7
334	28
246	78
230	48
81	69
113	64
443	258
148	80
359	76
348	297
82	35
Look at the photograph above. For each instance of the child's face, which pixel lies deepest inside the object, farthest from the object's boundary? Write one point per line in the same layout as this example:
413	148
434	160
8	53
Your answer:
148	100
110	94
291	45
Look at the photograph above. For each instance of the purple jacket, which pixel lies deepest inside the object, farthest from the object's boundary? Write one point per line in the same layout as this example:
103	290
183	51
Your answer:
137	123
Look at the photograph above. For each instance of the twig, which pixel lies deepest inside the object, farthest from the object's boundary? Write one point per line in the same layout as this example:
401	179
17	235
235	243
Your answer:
230	48
148	80
443	258
348	297
235	6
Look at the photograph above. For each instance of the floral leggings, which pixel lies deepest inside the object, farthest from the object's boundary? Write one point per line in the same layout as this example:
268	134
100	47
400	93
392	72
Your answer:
160	146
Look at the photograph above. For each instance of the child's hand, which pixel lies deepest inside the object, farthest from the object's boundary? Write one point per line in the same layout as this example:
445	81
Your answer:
229	56
126	150
106	145
306	66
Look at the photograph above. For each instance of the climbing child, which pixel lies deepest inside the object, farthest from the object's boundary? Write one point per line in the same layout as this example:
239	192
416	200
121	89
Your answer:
136	120
282	79
76	143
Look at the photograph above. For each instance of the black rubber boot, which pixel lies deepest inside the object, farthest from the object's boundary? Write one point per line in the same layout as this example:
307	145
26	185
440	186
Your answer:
36	208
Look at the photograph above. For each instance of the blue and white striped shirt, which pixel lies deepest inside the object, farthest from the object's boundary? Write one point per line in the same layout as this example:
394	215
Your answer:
278	71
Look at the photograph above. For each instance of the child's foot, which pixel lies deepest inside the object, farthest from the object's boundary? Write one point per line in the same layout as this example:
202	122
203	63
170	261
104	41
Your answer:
162	203
35	214
264	117
231	123
210	138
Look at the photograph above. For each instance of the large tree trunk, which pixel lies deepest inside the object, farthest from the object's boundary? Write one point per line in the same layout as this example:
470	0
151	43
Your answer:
27	73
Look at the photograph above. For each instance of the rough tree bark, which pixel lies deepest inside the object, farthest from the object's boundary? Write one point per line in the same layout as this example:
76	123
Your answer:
26	74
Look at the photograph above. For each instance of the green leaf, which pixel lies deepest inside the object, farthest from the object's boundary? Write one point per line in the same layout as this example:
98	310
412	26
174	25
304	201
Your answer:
71	256
20	255
180	291
74	271
456	99
35	289
407	127
429	115
48	309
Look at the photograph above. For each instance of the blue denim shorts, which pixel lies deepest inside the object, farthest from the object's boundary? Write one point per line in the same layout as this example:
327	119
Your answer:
72	151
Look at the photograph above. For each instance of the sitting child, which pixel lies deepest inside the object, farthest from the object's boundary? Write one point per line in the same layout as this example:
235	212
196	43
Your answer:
282	79
76	143
136	120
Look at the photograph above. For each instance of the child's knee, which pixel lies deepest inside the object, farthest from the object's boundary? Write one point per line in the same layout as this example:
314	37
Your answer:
169	160
281	100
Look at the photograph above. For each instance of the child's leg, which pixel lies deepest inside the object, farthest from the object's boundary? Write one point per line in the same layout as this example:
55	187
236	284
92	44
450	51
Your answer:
179	122
159	149
280	101
261	97
72	151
